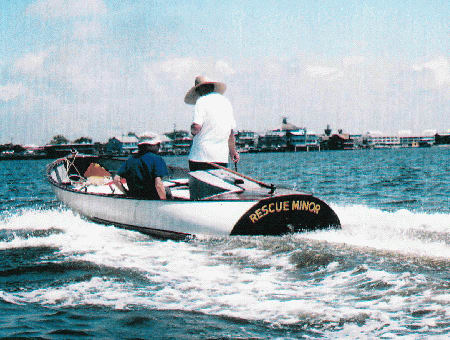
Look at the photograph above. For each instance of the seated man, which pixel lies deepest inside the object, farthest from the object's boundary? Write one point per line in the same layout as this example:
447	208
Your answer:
144	172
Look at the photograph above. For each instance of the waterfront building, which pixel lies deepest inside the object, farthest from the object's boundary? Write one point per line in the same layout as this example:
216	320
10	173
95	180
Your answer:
180	142
338	141
33	149
357	140
288	138
246	141
404	139
301	139
123	145
427	138
376	139
274	140
416	141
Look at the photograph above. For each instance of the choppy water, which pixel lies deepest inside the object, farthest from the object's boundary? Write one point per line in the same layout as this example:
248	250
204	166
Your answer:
385	275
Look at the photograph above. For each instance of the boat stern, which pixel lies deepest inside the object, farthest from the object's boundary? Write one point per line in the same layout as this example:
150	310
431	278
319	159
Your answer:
286	214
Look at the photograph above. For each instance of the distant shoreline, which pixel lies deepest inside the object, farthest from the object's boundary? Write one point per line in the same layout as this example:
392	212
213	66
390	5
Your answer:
10	157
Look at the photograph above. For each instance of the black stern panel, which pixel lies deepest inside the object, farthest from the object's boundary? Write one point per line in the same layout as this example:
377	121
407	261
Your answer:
286	214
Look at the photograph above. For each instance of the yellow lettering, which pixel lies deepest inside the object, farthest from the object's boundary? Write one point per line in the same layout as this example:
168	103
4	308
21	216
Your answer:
295	205
258	213
316	211
286	205
271	209
253	218
305	205
264	210
278	206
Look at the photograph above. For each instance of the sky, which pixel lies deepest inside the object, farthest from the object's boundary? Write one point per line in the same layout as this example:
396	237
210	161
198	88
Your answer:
103	68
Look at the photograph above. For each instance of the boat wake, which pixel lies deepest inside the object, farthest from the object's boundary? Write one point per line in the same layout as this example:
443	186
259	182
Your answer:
276	280
404	232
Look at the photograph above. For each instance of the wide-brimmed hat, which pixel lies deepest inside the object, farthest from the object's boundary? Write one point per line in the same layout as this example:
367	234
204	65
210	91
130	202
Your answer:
150	141
192	95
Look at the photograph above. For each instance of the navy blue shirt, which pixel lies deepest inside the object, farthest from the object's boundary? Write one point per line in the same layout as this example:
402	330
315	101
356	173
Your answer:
140	171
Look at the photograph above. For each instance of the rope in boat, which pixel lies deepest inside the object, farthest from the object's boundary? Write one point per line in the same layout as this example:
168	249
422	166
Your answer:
81	179
70	164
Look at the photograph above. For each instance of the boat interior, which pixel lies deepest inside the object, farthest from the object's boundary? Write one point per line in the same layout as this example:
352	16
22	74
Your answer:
216	184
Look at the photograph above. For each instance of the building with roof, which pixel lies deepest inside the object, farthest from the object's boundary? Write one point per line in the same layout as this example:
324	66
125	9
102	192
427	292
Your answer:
274	140
180	142
404	139
302	139
123	145
246	141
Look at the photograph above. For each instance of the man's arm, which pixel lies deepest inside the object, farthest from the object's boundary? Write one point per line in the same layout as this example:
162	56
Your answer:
195	128
118	182
232	148
159	185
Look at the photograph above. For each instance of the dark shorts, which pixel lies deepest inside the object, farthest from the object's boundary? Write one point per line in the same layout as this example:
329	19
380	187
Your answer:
194	166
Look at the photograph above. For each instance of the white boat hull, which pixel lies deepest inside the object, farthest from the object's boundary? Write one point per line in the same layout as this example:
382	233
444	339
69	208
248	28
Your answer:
243	208
186	217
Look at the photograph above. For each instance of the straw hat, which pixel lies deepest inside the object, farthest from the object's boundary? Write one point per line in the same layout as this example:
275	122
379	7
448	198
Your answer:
192	95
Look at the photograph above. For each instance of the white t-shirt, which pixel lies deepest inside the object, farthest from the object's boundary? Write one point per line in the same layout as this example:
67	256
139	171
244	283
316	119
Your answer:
215	114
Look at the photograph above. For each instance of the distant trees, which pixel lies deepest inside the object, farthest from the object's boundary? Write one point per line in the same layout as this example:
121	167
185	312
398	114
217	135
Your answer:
83	140
59	139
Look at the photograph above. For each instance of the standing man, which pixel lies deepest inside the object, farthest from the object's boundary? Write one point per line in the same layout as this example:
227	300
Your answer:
144	172
212	126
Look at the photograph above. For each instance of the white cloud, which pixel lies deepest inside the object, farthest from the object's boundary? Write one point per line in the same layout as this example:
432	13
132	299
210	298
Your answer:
30	63
152	80
353	60
10	91
84	30
141	95
179	67
440	67
326	72
224	68
49	9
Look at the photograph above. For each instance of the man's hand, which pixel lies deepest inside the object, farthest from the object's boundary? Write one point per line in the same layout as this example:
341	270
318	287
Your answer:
160	189
234	156
118	182
195	128
232	147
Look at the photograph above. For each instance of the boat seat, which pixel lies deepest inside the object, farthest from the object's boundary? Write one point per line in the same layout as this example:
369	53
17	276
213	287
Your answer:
176	182
235	179
203	184
180	193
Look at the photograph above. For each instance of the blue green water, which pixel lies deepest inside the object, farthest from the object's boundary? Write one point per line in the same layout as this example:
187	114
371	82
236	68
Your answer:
386	274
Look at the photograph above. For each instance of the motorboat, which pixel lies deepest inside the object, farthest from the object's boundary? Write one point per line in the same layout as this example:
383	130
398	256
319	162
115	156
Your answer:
219	201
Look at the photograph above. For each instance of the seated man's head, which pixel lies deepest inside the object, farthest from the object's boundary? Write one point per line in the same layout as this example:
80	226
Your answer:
149	145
